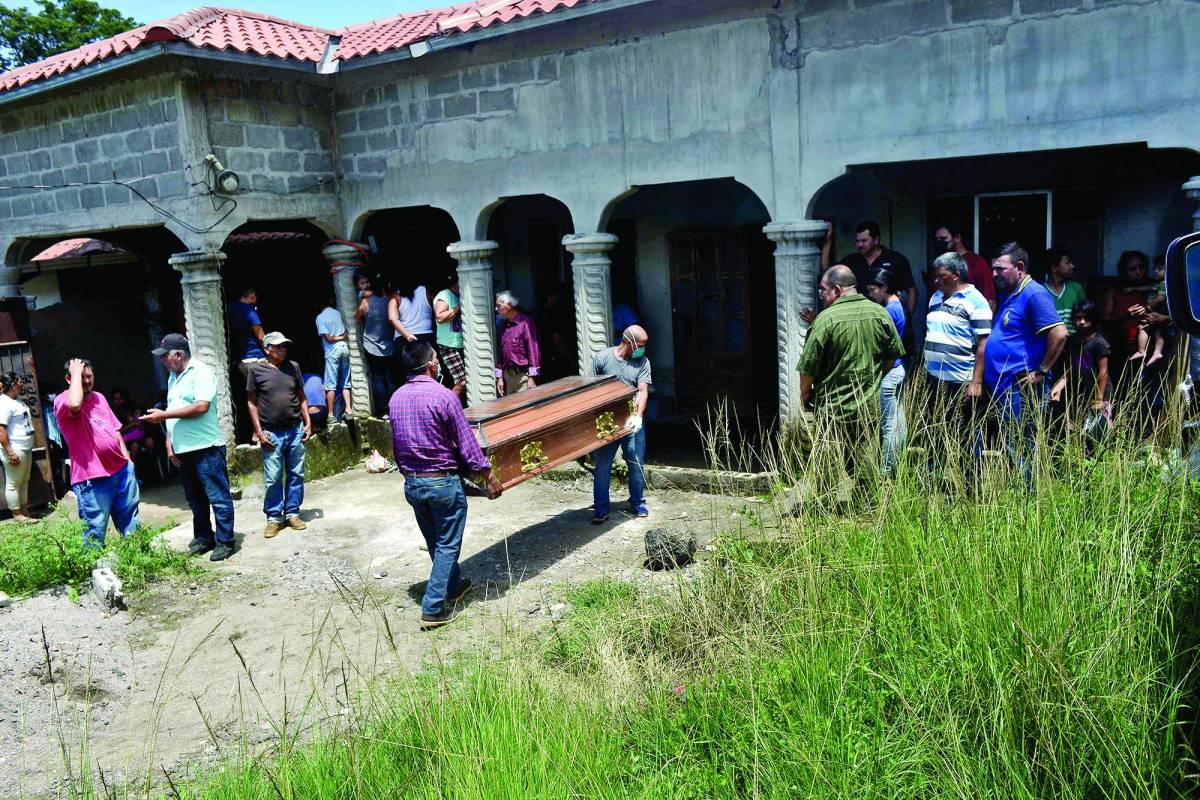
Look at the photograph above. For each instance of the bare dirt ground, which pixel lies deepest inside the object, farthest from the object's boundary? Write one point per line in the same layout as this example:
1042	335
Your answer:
194	667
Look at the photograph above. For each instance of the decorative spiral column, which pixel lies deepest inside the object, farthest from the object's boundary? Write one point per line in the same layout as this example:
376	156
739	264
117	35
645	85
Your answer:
344	259
478	304
797	271
204	314
592	272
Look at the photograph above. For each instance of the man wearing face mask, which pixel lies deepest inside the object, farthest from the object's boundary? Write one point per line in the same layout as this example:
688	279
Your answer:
433	444
629	363
948	239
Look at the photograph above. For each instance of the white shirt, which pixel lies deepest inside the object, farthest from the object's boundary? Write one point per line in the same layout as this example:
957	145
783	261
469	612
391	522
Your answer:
15	415
416	315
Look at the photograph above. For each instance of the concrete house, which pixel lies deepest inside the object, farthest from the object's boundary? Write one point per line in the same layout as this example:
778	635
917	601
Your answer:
673	155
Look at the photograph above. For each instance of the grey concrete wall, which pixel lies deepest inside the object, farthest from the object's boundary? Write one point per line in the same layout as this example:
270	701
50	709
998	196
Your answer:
125	130
275	131
939	78
575	112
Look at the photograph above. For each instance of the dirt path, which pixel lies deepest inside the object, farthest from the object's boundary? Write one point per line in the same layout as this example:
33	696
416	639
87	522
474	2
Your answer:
312	614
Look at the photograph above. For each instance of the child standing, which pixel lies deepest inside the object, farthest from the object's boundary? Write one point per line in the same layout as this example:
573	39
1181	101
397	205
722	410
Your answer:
1086	373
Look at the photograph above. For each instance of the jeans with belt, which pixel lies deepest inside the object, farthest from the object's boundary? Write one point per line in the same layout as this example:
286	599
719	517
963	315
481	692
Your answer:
205	480
283	473
440	506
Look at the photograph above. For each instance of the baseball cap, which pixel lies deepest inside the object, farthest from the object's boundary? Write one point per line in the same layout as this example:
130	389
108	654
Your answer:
276	338
172	341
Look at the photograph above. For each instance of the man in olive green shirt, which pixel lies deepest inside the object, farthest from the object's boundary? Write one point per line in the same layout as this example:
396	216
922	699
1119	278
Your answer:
850	346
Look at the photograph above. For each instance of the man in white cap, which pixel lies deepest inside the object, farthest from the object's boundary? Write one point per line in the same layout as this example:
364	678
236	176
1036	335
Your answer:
279	414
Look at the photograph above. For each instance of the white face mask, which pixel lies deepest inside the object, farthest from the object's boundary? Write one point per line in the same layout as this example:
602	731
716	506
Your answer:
437	367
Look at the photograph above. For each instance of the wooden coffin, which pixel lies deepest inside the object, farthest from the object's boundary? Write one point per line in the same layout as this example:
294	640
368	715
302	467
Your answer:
527	433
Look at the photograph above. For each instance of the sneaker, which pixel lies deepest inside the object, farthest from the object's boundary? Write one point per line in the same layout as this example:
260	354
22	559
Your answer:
221	552
431	621
599	519
198	548
641	511
273	528
295	523
464	587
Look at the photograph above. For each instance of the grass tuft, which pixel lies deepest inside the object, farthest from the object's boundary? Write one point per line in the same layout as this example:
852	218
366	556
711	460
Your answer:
50	553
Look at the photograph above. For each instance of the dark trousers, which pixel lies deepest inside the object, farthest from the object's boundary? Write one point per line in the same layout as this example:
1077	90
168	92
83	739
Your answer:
382	370
952	432
205	482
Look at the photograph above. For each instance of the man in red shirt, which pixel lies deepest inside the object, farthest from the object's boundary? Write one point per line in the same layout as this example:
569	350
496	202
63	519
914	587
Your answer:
979	273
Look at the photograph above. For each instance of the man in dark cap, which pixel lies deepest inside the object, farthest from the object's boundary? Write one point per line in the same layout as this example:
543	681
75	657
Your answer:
196	447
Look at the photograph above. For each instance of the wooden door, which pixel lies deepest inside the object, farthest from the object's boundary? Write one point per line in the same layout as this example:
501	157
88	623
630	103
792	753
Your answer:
712	323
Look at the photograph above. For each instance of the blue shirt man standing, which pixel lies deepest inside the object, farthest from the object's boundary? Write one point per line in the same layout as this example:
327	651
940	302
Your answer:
1027	335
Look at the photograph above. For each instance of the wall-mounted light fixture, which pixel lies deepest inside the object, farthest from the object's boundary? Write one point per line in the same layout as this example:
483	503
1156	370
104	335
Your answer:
227	180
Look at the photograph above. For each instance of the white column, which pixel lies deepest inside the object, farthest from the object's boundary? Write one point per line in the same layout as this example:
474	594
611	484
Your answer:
797	271
591	269
204	313
344	260
478	304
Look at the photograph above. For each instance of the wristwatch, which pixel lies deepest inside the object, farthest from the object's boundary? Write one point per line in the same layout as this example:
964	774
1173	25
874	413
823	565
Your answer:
1045	373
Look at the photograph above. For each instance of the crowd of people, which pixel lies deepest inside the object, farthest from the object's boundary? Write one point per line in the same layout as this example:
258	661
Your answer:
1000	347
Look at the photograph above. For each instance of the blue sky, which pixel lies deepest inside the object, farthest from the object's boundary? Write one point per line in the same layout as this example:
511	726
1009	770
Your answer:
322	13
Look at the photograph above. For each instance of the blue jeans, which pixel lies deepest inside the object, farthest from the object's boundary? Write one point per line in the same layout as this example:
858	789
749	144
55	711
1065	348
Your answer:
895	426
337	368
115	496
440	506
283	474
633	447
206	485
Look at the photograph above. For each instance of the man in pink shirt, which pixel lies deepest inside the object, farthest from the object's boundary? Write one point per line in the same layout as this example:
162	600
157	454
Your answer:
101	472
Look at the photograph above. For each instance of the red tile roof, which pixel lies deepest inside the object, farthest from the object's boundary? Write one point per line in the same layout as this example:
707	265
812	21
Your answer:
248	32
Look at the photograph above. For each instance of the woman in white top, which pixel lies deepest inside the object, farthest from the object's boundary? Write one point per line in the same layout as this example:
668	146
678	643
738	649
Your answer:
16	437
412	315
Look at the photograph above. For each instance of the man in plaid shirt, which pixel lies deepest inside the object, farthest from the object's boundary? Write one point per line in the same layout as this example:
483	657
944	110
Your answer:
432	444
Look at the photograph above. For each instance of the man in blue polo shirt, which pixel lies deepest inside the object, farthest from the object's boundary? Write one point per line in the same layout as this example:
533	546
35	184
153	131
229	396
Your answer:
1027	335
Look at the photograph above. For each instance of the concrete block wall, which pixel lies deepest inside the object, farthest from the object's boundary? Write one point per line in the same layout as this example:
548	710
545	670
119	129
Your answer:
123	130
833	24
376	121
275	133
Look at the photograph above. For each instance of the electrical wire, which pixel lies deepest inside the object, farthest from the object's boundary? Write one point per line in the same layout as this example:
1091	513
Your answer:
157	208
218	201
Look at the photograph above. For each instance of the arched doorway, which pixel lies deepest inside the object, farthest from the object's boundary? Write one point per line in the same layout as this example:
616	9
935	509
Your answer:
693	257
533	264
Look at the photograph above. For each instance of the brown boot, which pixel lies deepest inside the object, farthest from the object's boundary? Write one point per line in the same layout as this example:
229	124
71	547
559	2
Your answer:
273	528
295	523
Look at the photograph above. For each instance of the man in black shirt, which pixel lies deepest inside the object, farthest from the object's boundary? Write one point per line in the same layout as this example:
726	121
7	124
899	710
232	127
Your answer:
279	412
872	256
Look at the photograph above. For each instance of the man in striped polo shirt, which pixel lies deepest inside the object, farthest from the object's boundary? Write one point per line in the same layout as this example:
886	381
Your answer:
956	329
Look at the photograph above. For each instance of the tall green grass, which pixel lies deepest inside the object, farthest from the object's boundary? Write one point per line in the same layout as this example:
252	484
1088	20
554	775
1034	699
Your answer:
1027	629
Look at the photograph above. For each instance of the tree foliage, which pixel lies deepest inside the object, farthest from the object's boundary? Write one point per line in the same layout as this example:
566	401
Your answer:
29	35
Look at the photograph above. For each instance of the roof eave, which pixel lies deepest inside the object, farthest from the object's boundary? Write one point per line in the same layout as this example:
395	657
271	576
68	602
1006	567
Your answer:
493	31
145	53
86	72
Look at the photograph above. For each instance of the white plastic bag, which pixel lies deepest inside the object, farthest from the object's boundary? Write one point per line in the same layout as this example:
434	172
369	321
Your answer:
377	463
